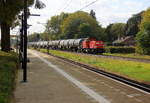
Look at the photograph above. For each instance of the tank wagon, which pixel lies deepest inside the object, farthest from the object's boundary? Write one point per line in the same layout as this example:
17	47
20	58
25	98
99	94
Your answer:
87	45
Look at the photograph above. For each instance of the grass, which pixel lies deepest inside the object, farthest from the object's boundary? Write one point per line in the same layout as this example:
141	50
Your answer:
130	55
8	65
134	70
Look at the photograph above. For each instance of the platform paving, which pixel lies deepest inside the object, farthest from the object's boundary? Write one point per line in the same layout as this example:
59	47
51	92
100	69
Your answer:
45	85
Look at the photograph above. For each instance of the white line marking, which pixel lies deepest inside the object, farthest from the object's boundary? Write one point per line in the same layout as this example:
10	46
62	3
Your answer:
84	88
134	95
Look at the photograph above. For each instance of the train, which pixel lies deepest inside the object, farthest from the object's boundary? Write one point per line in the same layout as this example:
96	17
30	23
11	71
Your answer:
85	45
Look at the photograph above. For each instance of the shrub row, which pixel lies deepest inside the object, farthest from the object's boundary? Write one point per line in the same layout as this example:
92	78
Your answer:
8	65
113	49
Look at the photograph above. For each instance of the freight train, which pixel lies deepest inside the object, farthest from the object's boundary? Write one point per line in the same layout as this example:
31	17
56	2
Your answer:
86	45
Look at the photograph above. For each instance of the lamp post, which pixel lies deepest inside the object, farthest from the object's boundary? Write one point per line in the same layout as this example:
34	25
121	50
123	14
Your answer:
24	39
25	42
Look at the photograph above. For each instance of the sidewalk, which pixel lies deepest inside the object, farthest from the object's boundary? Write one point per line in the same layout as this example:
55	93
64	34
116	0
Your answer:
45	85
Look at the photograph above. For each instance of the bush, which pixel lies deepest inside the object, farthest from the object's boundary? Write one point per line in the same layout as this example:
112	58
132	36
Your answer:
8	67
114	49
143	40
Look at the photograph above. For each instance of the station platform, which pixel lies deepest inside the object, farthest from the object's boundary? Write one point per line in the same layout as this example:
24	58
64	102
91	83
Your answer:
45	85
53	81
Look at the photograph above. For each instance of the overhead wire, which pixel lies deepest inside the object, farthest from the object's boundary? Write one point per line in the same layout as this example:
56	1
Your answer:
88	5
67	5
68	2
61	7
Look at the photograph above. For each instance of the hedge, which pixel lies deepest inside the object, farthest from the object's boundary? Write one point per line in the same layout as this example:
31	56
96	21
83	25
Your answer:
122	49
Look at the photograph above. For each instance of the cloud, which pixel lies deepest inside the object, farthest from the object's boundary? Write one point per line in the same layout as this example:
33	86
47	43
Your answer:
107	11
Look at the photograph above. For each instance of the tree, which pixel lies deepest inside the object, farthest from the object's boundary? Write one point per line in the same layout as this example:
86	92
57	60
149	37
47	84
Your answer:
76	23
132	26
114	31
9	9
146	18
109	37
45	36
101	35
92	13
143	37
39	4
84	30
53	25
34	37
118	30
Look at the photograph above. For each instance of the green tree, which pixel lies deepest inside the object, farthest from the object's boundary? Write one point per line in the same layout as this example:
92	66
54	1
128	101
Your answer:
101	34
143	37
53	25
118	30
132	26
9	9
92	13
146	18
76	23
84	30
114	31
34	37
109	36
45	36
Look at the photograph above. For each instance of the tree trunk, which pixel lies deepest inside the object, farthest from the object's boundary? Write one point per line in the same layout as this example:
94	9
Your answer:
5	37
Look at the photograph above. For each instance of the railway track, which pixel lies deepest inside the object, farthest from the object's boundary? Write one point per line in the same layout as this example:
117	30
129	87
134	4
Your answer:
115	57
125	58
135	84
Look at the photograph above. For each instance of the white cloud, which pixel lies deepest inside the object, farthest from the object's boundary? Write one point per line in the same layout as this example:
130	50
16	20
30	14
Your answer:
107	11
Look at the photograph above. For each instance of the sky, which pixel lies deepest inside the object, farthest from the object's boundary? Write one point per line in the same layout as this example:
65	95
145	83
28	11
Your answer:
107	11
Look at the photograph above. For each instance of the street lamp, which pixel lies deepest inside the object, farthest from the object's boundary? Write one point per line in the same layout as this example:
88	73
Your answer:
25	42
24	39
